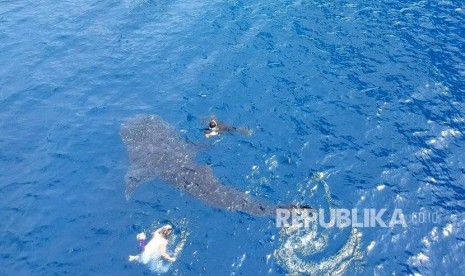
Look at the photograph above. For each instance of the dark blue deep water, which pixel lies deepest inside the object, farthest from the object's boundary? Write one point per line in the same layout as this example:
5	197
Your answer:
369	96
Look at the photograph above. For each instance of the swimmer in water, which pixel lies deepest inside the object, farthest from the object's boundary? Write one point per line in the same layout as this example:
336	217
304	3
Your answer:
214	128
156	246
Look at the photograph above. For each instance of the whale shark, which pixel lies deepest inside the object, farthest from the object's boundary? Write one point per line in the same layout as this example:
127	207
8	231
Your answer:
157	152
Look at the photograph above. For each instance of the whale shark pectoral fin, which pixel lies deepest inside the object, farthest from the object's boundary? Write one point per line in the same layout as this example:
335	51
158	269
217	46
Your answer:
134	177
131	185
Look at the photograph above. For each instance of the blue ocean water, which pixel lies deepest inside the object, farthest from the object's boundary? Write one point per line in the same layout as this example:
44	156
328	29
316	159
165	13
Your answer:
370	96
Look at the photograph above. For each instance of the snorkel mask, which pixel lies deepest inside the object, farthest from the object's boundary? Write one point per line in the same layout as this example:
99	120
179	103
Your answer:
212	129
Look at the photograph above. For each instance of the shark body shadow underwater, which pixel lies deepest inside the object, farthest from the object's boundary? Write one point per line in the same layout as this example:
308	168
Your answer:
156	151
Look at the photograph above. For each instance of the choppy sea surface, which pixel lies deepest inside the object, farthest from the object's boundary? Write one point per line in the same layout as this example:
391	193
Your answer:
352	104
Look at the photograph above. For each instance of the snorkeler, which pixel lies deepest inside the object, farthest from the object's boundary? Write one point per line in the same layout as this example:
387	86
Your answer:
214	128
156	246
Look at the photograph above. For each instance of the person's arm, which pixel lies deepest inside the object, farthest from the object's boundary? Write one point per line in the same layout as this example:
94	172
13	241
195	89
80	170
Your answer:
222	127
165	255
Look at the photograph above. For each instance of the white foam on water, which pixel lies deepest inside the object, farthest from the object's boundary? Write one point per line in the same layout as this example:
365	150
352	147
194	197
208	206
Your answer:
440	237
430	179
425	241
156	263
443	140
299	244
370	246
380	187
447	230
459	119
420	259
268	257
434	234
292	252
238	263
450	132
272	163
424	152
